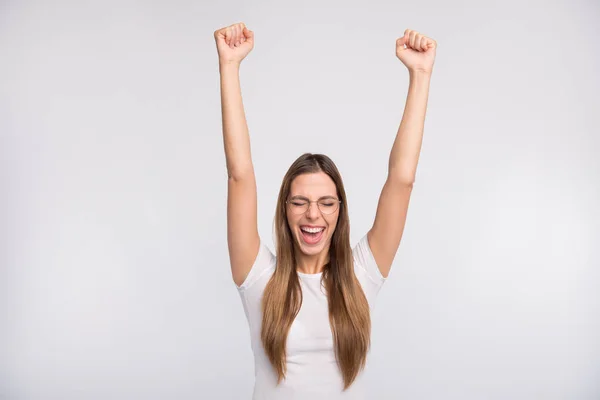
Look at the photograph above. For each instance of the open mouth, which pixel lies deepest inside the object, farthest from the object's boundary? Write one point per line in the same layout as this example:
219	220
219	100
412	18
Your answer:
311	235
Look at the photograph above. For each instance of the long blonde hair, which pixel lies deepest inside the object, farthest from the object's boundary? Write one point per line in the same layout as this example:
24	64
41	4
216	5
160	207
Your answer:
349	315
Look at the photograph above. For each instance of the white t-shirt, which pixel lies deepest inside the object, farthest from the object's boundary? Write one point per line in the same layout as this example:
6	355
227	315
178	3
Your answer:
312	370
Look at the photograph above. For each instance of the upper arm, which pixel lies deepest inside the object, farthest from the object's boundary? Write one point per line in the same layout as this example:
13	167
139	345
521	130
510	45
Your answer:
242	227
385	235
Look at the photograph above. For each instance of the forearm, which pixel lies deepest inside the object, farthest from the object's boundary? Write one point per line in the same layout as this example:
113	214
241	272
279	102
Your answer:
236	138
407	145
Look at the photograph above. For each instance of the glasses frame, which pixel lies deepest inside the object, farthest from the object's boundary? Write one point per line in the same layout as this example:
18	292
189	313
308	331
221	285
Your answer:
315	201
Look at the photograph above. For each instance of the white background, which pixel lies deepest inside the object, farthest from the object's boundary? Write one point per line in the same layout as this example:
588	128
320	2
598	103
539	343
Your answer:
114	273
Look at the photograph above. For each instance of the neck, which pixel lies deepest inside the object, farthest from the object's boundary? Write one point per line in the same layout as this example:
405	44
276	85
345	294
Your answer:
311	264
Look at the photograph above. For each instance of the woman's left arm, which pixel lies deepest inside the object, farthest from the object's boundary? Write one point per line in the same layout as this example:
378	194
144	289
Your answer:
386	233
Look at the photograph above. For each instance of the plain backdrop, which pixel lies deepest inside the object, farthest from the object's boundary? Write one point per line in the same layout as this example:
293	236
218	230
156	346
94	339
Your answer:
114	273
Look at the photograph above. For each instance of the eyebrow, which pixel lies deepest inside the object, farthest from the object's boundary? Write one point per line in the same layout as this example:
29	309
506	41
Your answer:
306	198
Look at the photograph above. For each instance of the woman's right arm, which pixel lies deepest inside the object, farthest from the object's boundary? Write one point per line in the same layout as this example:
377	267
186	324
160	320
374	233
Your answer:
233	44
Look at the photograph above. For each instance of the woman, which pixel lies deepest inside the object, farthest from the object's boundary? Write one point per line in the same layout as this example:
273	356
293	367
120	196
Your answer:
309	308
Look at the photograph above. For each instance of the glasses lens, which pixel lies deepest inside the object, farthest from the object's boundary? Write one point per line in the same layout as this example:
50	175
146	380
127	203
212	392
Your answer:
299	206
328	206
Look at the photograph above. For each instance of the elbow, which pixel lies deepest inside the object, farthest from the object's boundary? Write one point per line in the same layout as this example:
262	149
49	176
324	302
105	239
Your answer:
403	174
240	174
403	180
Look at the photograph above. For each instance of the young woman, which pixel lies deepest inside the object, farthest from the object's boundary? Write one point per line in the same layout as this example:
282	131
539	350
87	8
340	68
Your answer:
309	308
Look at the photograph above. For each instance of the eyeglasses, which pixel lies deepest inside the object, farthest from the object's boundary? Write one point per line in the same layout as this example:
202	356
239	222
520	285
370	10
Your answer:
326	206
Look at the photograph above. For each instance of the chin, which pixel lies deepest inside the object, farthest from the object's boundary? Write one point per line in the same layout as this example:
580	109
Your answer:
310	251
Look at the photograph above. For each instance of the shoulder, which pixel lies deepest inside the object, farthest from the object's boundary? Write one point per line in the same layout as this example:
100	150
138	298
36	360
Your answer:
264	263
366	268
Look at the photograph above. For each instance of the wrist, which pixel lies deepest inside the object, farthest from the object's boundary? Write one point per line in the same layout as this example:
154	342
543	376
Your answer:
420	73
229	65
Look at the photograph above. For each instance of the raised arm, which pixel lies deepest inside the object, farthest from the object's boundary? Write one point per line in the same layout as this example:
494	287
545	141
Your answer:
386	233
233	44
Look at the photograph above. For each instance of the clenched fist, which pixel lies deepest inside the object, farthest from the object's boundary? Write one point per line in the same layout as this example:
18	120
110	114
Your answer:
234	42
419	54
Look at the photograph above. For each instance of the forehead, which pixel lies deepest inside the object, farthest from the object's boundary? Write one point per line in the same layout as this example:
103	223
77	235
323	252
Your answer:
315	185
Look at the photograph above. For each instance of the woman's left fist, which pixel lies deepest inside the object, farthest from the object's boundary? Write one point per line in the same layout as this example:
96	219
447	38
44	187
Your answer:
419	54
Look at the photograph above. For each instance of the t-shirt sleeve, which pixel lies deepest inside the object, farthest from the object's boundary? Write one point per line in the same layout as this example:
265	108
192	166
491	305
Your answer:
365	262
265	260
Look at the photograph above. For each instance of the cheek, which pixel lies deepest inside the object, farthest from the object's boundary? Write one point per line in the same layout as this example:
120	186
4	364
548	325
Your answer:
332	223
291	221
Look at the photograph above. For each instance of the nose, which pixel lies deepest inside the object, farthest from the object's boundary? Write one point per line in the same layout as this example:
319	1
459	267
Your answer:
313	211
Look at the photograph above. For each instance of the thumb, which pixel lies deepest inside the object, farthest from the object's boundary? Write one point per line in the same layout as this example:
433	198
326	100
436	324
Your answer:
248	34
400	42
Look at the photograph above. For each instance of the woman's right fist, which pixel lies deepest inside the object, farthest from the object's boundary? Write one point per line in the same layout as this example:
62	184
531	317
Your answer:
234	43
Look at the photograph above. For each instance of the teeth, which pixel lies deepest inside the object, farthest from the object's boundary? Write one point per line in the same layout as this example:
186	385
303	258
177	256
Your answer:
312	230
